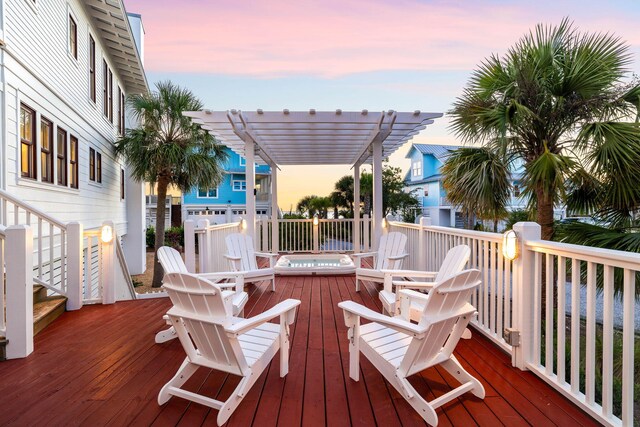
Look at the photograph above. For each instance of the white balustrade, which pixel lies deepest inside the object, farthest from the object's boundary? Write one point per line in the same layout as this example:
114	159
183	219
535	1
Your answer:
211	245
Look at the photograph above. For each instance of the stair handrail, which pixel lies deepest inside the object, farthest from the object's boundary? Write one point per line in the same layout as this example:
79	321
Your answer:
124	267
32	209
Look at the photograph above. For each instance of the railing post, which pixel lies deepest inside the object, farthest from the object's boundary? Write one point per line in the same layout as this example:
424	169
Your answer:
108	264
190	245
264	223
422	242
366	240
316	236
523	293
204	245
19	292
74	265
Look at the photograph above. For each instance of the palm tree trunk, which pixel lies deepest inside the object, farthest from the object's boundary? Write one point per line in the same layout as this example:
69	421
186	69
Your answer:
163	183
544	215
367	204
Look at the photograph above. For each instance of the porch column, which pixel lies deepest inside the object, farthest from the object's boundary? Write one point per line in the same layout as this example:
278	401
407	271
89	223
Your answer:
377	192
274	209
356	208
250	176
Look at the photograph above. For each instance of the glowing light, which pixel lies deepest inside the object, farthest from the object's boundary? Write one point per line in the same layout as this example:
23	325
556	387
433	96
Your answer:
510	245
106	233
315	220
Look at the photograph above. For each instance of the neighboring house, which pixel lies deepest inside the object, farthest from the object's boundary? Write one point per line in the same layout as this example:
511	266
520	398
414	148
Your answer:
425	182
228	200
67	66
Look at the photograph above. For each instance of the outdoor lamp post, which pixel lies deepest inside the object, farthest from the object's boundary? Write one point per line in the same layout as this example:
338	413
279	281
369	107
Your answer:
510	245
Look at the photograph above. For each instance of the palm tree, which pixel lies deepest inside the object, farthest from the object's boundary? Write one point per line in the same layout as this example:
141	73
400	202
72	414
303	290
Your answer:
366	191
557	96
477	180
169	149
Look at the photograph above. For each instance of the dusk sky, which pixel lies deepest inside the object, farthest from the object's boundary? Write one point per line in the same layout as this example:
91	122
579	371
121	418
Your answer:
348	54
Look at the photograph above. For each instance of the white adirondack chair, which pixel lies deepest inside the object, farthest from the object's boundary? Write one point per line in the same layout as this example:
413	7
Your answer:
453	263
390	255
399	348
243	258
213	339
233	292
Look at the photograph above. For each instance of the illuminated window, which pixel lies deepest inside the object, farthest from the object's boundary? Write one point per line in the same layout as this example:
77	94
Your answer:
27	142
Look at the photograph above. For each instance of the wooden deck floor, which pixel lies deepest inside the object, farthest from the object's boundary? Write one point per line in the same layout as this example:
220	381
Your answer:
100	366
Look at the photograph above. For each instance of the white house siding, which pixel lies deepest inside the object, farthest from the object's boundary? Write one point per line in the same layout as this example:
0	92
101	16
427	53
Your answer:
40	72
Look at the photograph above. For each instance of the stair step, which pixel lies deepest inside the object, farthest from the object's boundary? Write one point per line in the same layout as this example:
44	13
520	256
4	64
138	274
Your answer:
3	349
46	311
39	293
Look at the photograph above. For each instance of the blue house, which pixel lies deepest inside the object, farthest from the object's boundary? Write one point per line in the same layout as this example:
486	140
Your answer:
425	181
222	203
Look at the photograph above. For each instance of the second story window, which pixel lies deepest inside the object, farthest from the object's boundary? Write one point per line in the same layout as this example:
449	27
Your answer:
27	142
98	167
105	88
46	150
92	69
239	185
416	169
73	162
120	111
211	192
110	96
73	37
62	157
121	184
516	190
95	166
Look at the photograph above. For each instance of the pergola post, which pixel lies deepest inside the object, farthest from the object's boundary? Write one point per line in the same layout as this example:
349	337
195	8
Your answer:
250	176
377	191
274	209
356	208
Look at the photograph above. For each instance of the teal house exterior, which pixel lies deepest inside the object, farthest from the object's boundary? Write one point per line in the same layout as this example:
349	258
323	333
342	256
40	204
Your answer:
424	180
222	203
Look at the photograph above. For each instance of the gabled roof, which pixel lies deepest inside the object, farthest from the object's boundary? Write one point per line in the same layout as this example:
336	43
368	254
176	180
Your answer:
313	137
110	19
440	152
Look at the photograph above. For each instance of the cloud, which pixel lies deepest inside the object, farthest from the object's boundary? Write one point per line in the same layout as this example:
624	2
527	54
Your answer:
333	38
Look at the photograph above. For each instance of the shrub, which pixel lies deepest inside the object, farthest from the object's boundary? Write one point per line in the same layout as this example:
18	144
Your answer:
173	237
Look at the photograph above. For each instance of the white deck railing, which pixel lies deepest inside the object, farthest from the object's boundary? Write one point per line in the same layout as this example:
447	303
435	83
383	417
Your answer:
50	241
3	327
210	244
581	343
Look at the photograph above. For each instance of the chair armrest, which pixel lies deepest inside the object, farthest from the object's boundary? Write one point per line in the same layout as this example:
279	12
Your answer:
364	254
397	257
409	273
266	254
232	258
393	322
413	295
279	309
402	284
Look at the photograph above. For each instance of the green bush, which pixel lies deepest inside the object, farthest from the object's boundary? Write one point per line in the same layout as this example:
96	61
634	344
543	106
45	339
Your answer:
173	237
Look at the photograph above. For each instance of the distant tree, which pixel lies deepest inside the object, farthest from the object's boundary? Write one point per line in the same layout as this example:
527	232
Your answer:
477	181
394	198
559	95
342	196
366	191
315	205
169	149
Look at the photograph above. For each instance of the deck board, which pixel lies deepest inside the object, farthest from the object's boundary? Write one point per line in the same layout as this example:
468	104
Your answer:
100	366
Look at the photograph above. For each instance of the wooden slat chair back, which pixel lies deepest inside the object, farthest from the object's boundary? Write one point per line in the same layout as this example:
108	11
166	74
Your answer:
243	257
399	348
172	262
454	262
391	245
212	338
241	245
390	256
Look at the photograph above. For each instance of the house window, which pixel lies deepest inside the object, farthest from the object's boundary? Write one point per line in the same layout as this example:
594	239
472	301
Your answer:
426	192
27	142
120	111
243	161
516	190
46	150
210	193
92	69
239	185
98	167
110	96
73	161
121	184
92	164
105	88
62	157
73	37
416	169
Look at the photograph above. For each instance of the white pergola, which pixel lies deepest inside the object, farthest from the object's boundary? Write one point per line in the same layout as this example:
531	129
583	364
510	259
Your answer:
314	138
